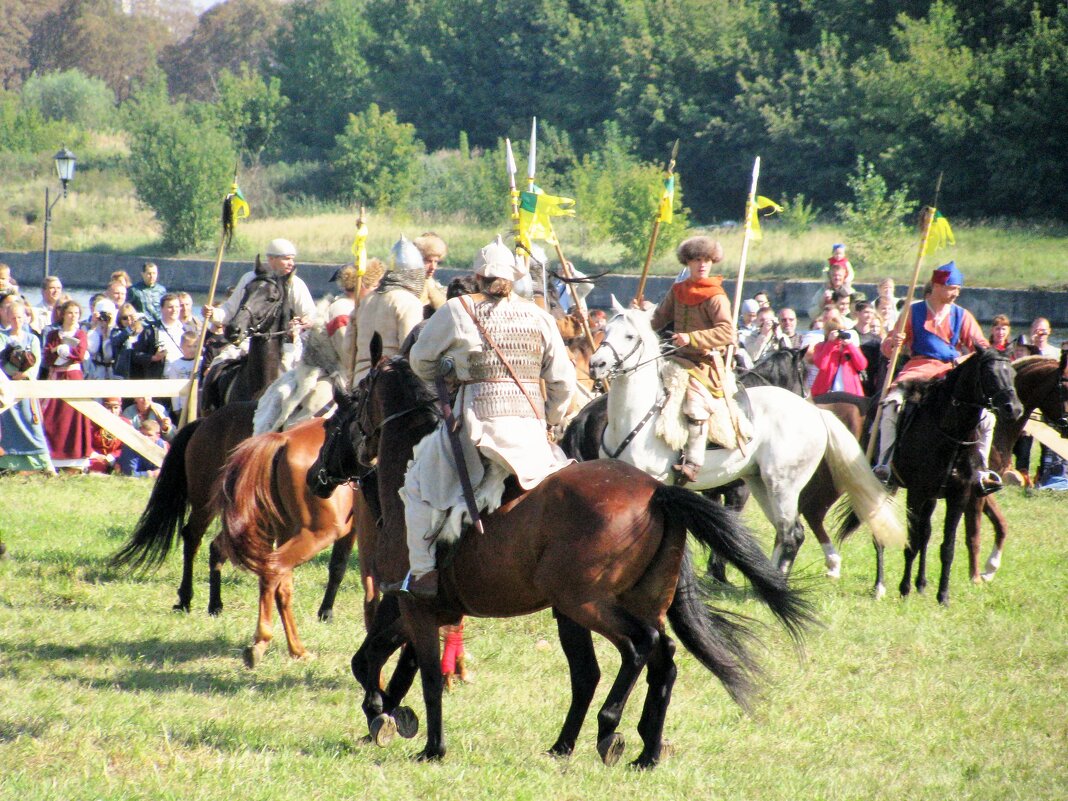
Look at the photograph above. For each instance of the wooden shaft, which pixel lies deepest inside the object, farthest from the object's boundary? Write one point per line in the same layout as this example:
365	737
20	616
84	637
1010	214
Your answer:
189	410
640	296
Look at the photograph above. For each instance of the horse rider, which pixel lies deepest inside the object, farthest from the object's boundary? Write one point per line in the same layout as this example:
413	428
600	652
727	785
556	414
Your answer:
434	251
498	347
395	307
281	260
938	332
700	312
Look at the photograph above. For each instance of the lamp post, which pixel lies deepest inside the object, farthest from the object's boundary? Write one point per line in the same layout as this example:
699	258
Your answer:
65	162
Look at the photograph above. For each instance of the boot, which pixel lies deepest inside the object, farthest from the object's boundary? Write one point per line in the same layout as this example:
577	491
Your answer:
693	454
887	437
424	588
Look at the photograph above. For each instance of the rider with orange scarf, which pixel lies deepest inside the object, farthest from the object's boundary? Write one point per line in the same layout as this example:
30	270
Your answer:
700	312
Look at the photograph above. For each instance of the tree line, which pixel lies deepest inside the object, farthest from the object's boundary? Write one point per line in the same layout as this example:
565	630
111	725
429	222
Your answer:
820	90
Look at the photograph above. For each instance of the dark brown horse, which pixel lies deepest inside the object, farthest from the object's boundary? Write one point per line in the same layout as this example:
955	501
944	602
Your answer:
271	523
185	485
600	542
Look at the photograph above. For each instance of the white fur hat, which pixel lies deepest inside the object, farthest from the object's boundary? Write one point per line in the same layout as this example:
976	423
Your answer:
281	247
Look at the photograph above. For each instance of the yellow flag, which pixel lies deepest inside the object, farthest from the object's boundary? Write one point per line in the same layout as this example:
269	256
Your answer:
666	212
535	209
761	202
940	234
359	247
234	208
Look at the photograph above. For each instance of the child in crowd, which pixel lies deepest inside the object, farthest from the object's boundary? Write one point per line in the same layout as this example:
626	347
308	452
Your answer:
838	257
886	305
145	409
106	446
182	368
131	463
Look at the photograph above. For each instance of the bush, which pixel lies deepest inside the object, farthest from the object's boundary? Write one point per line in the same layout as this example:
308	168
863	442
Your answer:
874	220
181	168
71	96
798	214
24	130
464	184
376	160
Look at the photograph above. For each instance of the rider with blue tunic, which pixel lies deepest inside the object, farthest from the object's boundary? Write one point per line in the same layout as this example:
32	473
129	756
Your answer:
938	334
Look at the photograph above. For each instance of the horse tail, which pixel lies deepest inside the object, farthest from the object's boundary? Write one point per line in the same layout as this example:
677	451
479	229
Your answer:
852	474
251	520
164	515
717	642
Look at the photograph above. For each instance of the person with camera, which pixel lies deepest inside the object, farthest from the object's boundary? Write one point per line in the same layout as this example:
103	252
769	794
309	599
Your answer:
839	358
22	437
101	358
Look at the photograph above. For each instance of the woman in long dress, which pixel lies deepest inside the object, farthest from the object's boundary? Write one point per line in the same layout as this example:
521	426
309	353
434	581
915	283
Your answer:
22	436
70	435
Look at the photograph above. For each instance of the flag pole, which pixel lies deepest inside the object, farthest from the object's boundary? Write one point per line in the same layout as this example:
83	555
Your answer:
189	408
902	319
640	296
360	262
750	211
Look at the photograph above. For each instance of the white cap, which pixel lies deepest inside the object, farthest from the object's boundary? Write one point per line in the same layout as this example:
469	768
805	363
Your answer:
105	305
750	306
496	260
281	247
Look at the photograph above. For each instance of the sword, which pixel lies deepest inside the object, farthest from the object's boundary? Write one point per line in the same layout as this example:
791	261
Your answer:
452	426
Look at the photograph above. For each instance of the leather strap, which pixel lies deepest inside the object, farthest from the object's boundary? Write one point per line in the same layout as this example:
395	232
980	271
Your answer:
504	361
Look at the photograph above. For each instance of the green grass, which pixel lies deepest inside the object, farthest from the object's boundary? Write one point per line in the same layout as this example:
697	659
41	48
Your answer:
107	694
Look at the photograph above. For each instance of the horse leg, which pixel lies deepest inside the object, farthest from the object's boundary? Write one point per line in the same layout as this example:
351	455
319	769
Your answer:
339	563
781	509
973	521
215	563
880	578
1001	530
192	535
577	643
284	598
661	679
917	542
925	541
427	649
264	626
954	510
816	499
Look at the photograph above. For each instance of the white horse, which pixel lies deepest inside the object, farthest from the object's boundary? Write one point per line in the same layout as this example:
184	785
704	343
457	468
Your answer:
791	436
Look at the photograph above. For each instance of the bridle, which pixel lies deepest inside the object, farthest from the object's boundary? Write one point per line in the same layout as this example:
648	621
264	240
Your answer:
261	330
617	368
360	405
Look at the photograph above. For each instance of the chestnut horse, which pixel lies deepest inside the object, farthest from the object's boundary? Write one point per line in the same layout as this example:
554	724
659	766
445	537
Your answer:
600	542
185	485
271	523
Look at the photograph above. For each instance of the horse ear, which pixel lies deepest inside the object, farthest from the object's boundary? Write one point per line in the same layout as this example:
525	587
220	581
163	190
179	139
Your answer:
341	395
376	348
616	306
260	269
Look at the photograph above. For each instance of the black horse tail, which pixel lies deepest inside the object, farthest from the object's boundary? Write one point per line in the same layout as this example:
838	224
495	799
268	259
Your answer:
164	515
848	522
716	640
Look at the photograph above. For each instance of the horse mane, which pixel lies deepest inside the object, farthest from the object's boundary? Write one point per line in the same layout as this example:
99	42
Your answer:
412	383
1028	363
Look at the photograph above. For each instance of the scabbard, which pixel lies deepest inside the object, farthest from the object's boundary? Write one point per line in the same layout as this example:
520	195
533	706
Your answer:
452	426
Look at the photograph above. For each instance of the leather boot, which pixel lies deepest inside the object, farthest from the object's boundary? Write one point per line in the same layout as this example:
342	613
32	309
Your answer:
693	454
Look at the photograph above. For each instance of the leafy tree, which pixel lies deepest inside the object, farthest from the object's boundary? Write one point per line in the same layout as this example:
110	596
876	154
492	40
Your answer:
71	96
23	129
180	167
250	110
226	36
320	62
874	219
464	183
376	159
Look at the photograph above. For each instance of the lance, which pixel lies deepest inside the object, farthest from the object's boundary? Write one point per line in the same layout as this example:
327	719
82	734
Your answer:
750	212
640	297
189	409
903	318
359	252
532	160
513	194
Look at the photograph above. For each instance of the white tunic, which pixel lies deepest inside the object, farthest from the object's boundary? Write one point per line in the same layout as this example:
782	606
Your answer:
516	441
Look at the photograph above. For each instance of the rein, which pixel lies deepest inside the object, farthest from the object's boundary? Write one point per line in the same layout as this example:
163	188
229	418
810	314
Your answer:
657	407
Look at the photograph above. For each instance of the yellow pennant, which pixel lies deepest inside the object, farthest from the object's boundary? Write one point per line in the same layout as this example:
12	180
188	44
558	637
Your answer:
761	202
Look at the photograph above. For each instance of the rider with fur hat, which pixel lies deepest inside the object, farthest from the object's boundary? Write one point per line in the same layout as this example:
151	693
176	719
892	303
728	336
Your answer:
394	308
499	348
699	312
937	333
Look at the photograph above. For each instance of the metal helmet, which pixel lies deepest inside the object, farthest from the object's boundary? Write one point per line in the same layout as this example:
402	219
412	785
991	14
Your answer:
404	256
496	260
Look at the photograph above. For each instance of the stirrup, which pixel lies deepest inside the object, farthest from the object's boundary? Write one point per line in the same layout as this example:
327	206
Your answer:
686	472
988	482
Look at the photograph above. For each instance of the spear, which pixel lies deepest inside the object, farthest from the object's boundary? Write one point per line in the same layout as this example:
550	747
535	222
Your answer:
359	252
532	160
229	217
750	213
902	320
657	219
513	194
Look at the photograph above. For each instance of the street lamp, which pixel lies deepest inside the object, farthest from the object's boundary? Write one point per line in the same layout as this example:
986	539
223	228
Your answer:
65	162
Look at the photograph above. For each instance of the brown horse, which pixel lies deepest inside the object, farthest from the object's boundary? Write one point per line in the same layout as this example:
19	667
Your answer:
600	542
271	523
185	485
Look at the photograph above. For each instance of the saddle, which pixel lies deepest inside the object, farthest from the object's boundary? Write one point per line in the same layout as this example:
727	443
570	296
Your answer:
730	416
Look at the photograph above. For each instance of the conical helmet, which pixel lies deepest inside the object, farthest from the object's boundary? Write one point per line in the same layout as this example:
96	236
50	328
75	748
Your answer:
496	260
404	256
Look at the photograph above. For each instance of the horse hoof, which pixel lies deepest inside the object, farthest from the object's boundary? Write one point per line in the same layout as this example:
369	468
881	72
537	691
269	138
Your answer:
253	656
383	730
834	566
430	755
611	748
560	751
215	611
992	564
180	607
880	592
306	656
407	722
987	577
326	615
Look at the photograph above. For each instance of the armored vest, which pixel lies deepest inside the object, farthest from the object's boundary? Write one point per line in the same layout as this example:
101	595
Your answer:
516	330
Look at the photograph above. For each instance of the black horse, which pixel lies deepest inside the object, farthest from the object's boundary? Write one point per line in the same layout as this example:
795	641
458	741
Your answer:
263	317
934	455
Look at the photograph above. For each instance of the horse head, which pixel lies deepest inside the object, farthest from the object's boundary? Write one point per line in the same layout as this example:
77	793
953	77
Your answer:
337	461
784	368
996	384
262	306
1042	384
629	341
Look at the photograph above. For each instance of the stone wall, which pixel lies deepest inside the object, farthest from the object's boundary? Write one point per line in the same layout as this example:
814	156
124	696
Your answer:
91	271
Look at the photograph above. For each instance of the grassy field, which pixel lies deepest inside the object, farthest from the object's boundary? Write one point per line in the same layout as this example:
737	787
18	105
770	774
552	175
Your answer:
102	214
107	694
